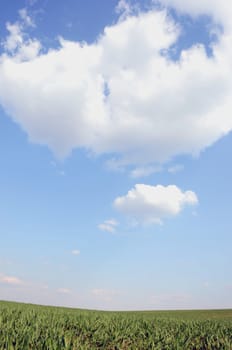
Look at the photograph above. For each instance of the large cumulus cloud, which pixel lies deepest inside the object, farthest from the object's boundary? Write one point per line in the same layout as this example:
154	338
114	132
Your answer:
122	94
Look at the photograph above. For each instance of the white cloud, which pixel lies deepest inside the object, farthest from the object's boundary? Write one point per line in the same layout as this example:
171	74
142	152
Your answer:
108	225
145	171
122	94
123	7
152	204
14	39
18	46
27	20
10	280
75	252
220	10
175	168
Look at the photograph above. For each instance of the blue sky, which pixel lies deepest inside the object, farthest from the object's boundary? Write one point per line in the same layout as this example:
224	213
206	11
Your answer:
115	132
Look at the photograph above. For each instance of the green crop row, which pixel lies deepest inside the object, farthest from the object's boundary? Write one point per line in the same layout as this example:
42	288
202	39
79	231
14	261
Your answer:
25	327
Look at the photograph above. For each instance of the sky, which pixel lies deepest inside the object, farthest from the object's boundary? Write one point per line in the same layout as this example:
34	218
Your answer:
115	150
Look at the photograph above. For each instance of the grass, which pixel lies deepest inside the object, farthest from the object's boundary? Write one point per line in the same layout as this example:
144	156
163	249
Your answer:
25	326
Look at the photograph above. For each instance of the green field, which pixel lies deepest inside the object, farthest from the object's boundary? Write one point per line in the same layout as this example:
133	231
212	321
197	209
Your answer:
24	326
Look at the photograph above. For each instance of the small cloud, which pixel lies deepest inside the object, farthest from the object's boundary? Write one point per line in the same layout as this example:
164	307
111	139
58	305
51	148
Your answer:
64	290
17	43
108	225
10	280
151	204
111	222
124	9
75	252
176	168
145	171
27	20
14	38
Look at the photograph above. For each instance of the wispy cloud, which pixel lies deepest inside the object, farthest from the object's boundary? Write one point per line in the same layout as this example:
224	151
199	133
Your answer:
10	280
18	45
175	168
145	171
75	252
108	225
26	19
124	9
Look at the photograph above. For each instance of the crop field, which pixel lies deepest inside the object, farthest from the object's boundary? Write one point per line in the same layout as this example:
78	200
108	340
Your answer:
24	326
